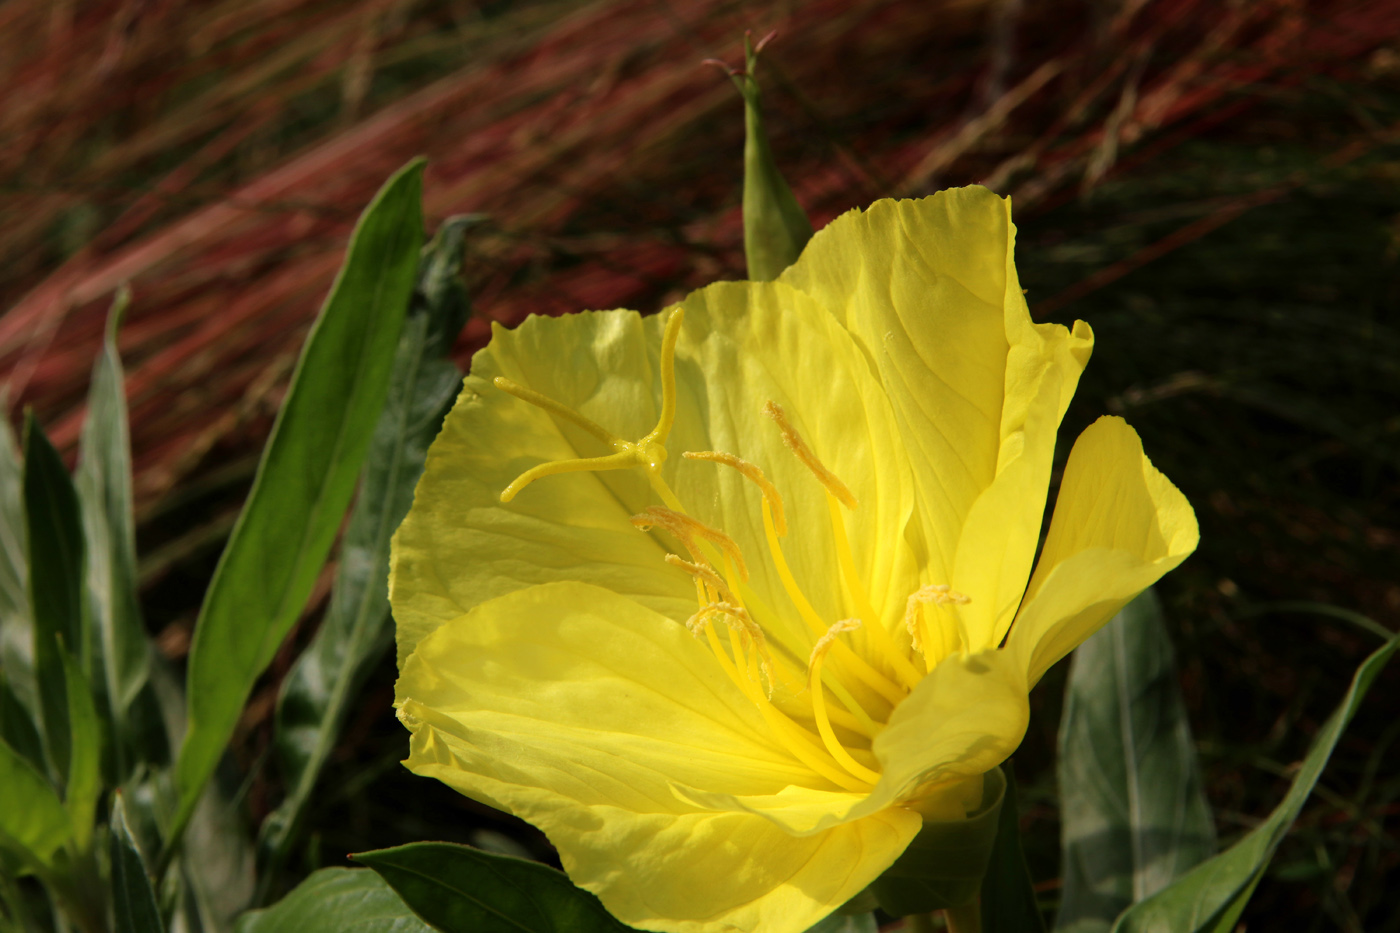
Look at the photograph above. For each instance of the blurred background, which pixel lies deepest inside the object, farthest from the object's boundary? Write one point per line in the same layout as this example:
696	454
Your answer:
1214	186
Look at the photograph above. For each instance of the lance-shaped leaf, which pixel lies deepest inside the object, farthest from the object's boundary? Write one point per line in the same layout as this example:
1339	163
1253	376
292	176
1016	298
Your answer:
104	486
133	900
1133	815
16	634
1008	898
17	726
305	479
84	784
462	890
775	226
1212	896
54	527
33	823
336	900
355	632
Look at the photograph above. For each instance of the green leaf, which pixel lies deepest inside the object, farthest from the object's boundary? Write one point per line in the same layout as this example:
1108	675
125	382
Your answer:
54	527
462	890
133	898
1214	894
17	726
1008	897
16	633
356	630
305	480
84	785
33	823
333	900
104	486
775	226
1133	815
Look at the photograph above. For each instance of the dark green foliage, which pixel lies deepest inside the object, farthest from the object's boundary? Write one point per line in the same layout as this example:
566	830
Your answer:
356	630
463	890
306	477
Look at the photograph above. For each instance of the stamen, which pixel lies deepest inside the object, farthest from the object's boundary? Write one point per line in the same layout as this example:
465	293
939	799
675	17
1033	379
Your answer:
881	641
798	741
814	669
687	529
751	473
798	446
939	595
705	574
861	668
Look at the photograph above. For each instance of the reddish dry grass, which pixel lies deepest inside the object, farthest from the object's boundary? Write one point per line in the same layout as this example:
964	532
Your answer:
606	155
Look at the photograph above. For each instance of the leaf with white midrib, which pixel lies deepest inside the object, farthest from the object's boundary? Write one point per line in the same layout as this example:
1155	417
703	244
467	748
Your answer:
1134	817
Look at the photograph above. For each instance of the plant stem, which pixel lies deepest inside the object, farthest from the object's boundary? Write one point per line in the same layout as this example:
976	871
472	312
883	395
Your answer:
965	919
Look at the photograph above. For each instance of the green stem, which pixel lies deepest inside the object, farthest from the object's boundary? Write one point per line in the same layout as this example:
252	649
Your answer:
965	919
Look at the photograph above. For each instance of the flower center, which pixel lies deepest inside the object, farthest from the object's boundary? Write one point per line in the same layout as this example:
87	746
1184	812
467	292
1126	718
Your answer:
828	715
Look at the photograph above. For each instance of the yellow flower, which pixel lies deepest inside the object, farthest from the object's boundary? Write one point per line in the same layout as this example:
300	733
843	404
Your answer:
729	685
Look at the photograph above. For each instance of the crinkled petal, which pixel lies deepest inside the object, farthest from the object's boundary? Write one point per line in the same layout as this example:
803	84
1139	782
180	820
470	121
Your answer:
578	710
1119	525
929	290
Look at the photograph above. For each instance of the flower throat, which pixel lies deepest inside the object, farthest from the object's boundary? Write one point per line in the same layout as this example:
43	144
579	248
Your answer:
829	714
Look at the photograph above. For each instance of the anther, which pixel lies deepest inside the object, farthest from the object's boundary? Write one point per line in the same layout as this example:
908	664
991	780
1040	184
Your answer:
936	593
687	529
824	643
751	473
704	573
798	446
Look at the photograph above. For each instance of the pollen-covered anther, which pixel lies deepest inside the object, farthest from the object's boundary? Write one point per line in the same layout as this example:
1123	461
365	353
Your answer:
936	593
799	447
687	530
754	475
704	573
824	643
740	624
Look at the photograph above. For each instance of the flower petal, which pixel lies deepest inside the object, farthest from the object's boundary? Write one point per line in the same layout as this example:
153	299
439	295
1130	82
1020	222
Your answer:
1119	525
460	545
576	709
761	342
929	290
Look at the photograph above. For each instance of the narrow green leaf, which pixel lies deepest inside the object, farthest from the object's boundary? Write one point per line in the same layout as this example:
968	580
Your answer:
104	486
33	822
775	226
1214	894
336	900
356	630
17	725
84	785
305	480
133	899
54	528
16	633
463	890
1008	897
1133	815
